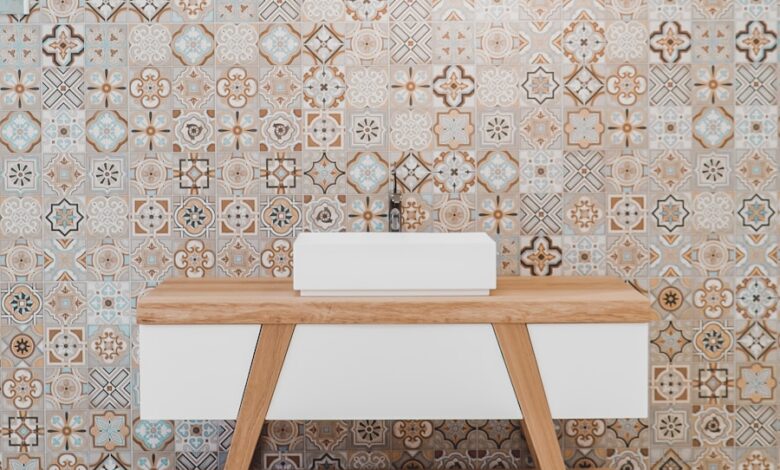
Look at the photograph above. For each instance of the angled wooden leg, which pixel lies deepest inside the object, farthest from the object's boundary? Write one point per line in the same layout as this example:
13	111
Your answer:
515	344
266	366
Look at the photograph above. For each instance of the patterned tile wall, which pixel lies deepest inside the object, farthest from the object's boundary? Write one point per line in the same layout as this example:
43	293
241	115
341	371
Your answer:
143	139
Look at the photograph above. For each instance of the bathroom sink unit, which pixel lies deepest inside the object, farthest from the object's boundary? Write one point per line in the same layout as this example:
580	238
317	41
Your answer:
407	264
535	348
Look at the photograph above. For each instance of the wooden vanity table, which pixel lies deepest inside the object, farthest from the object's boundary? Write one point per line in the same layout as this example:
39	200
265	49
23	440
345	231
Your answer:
535	348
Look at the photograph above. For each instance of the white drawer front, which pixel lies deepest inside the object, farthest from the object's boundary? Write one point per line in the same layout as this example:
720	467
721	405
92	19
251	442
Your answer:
593	370
393	372
194	371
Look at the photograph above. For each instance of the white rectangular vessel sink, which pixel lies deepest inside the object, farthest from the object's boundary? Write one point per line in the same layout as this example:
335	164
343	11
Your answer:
377	264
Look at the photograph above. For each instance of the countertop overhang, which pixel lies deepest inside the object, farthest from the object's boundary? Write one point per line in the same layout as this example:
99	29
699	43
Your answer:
597	299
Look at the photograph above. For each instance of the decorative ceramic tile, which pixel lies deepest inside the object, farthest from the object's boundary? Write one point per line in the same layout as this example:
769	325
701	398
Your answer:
144	139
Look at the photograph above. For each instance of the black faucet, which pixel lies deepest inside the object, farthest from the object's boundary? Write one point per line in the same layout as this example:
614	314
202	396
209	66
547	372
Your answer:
395	204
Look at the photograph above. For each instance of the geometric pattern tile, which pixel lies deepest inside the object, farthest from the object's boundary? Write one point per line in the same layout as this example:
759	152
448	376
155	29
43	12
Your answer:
756	426
110	388
63	88
147	139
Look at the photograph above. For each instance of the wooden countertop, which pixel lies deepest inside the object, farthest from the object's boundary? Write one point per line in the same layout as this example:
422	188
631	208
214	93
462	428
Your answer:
516	300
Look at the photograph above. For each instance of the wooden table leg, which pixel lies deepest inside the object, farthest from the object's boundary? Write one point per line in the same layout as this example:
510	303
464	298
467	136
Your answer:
515	344
267	364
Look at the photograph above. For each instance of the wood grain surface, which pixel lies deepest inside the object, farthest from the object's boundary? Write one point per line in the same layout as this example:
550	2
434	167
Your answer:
518	352
260	385
516	300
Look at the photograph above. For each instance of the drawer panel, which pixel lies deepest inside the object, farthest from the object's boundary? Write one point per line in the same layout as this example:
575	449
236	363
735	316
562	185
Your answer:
593	370
194	371
393	372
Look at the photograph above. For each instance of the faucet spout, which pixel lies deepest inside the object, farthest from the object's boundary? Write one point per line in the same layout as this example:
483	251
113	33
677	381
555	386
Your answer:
394	215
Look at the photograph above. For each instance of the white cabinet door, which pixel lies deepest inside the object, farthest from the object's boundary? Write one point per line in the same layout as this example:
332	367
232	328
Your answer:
393	372
194	371
593	370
